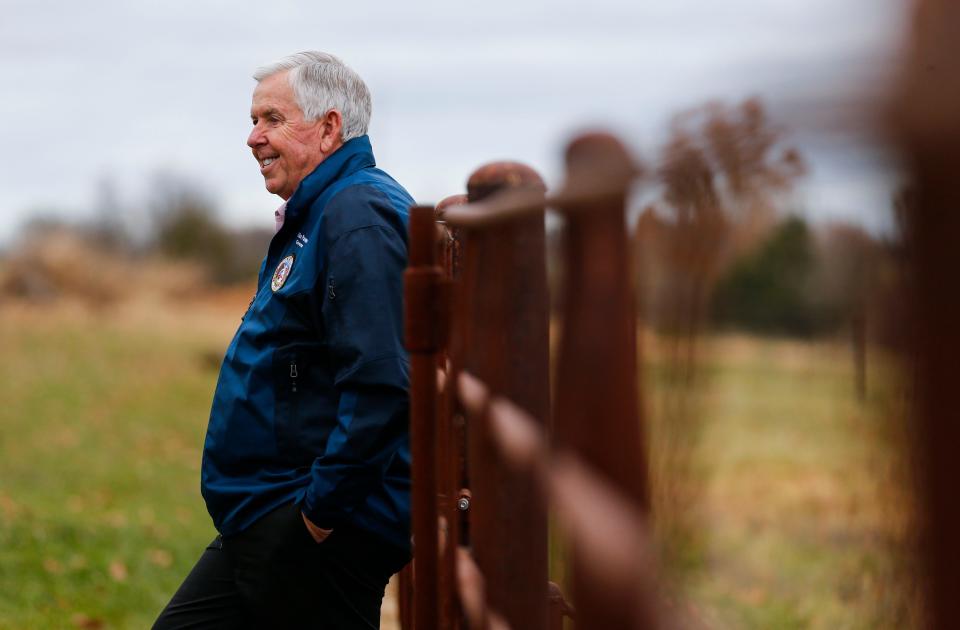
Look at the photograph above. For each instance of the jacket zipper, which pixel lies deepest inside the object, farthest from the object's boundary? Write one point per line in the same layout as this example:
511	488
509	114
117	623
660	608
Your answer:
293	376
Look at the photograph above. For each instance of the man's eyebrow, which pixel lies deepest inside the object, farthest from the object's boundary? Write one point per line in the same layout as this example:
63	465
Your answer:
270	111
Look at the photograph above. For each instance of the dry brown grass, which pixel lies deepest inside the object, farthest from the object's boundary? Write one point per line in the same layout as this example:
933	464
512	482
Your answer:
63	265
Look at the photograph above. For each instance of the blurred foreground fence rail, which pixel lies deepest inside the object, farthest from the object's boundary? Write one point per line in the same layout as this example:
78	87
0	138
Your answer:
491	452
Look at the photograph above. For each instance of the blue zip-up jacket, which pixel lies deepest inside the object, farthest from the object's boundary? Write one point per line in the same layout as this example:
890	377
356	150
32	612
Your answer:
311	404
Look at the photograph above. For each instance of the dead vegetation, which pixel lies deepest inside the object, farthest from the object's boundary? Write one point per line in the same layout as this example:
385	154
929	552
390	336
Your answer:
63	265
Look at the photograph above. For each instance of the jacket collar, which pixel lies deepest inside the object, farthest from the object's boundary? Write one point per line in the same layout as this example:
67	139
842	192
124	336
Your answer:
352	156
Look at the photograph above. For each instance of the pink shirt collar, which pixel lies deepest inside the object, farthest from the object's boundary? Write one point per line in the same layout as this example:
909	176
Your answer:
278	215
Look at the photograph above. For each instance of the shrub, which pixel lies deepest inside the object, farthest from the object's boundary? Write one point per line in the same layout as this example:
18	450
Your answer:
772	289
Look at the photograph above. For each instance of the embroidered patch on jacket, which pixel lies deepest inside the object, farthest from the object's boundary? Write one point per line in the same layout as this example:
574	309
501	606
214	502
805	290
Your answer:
282	273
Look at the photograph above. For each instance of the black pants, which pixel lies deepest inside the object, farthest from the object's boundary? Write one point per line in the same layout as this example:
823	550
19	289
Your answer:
275	576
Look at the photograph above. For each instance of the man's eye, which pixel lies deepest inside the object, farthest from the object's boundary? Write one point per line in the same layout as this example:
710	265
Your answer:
254	121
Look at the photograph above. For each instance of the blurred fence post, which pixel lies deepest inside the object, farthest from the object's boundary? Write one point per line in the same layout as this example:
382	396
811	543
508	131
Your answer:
504	340
597	390
597	374
928	103
858	340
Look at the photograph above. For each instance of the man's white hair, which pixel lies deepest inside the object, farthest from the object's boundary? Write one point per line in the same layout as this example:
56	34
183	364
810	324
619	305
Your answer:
322	82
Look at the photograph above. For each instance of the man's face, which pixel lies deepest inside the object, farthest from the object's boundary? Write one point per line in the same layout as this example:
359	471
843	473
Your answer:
286	147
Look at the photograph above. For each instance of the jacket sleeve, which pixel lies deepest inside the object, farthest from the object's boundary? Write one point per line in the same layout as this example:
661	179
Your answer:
362	315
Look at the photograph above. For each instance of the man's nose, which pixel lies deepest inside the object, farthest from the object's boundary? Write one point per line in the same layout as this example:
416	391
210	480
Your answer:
255	138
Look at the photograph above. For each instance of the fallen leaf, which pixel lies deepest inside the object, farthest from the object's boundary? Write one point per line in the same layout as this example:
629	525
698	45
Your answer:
115	518
118	571
160	557
81	620
77	561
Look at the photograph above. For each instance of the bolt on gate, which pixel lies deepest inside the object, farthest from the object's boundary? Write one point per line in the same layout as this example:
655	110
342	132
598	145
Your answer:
488	454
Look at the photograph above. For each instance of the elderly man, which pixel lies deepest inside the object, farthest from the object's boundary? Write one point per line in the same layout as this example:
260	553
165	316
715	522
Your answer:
306	463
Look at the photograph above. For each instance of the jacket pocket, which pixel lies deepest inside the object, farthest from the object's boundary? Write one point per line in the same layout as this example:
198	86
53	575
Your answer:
303	394
287	388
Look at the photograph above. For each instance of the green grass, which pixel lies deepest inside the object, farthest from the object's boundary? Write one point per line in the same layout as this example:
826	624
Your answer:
102	424
791	511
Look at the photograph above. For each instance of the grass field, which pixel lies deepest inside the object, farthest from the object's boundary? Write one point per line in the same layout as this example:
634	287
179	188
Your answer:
793	509
792	501
102	420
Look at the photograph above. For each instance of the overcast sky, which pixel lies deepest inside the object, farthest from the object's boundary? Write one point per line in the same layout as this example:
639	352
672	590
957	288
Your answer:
116	91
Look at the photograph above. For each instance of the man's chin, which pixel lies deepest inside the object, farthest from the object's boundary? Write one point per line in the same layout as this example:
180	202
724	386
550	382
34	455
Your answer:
273	187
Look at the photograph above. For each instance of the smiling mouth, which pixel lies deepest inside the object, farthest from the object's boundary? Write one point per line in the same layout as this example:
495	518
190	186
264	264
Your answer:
265	162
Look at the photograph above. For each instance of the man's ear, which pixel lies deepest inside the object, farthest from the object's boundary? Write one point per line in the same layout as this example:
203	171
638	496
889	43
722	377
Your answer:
331	130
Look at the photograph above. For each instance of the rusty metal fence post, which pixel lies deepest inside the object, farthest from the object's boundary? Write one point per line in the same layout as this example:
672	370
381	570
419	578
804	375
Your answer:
597	390
597	400
450	447
424	329
504	340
